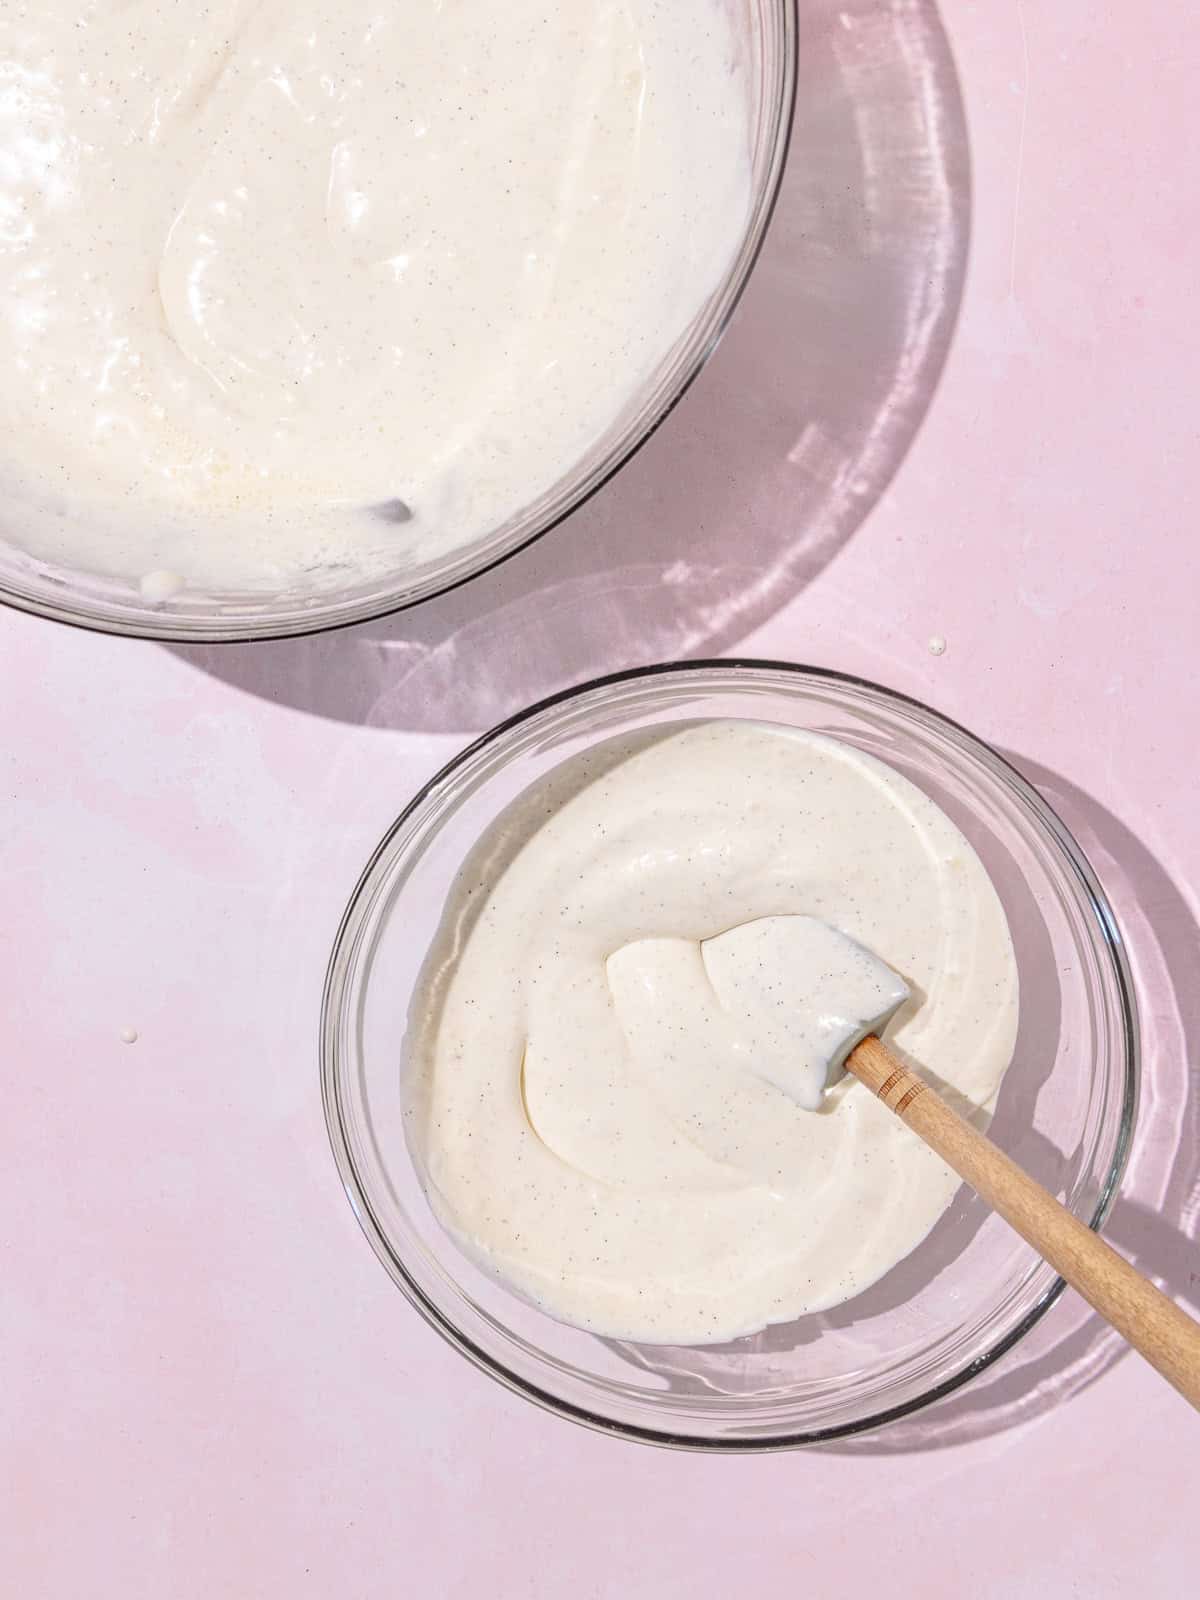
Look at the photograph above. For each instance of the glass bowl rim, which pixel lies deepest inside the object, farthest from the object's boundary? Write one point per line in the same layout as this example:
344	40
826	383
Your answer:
205	631
334	994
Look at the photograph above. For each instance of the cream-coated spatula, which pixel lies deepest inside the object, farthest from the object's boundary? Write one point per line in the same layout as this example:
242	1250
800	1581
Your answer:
859	994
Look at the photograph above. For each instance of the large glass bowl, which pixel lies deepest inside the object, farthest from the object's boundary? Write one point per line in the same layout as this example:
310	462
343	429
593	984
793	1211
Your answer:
765	39
945	1313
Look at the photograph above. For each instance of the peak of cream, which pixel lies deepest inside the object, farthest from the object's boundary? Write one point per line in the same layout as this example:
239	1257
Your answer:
786	998
591	1048
267	266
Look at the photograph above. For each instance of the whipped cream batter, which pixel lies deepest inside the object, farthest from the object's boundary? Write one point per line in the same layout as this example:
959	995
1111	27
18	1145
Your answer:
299	290
619	978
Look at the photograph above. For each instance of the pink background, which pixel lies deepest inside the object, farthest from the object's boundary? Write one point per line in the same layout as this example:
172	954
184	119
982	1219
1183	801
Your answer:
210	1385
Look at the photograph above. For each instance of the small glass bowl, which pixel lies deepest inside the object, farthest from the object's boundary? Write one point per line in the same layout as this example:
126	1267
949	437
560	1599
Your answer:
964	1296
764	33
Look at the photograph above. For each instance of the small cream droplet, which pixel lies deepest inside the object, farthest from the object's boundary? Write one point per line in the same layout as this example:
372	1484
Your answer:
937	645
129	1035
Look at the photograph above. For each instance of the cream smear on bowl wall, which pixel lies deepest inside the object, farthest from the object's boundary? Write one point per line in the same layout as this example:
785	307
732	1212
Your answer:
590	1046
296	289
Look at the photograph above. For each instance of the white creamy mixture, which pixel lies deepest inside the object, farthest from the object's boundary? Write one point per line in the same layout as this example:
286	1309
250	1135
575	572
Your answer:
591	1046
788	997
310	288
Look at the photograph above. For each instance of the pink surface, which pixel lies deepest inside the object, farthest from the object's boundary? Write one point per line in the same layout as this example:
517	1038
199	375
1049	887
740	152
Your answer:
211	1387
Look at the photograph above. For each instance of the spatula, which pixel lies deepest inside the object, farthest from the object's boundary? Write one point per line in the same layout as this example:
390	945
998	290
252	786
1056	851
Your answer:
859	994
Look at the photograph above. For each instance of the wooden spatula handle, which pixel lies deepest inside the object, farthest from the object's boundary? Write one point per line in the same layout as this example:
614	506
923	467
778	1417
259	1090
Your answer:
1167	1337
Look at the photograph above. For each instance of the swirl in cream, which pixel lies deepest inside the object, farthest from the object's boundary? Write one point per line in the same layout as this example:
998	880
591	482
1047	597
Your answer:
294	289
582	1103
